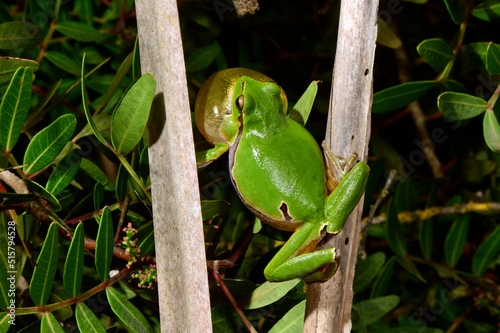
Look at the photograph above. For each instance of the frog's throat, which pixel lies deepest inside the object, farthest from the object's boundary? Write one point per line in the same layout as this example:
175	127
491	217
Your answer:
286	223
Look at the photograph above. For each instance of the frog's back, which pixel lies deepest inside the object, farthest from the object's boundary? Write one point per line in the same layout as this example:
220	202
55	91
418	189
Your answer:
282	174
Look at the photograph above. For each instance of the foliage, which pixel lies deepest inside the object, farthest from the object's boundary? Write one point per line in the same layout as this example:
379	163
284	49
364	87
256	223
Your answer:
74	108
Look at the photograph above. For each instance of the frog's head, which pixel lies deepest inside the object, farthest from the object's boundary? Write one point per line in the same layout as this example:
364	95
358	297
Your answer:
214	114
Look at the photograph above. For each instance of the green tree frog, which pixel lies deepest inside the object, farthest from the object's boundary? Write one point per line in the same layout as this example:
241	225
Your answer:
277	169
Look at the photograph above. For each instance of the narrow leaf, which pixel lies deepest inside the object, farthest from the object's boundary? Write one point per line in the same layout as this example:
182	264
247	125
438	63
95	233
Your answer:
487	11
458	106
6	279
436	52
49	198
16	35
9	65
50	324
367	270
148	245
491	130
79	31
302	109
14	108
385	35
455	240
411	268
406	196
73	268
64	173
121	183
395	235
292	321
269	292
45	269
399	96
90	120
486	252
48	143
130	118
64	62
96	173
493	58
87	320
371	310
383	280
127	312
202	57
116	82
104	245
456	10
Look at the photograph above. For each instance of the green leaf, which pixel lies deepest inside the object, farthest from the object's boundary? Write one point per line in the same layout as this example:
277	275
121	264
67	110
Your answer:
384	278
473	169
9	65
269	292
17	35
45	269
225	318
455	240
458	106
493	58
63	62
121	183
292	321
436	52
48	143
487	11
399	96
385	35
64	173
96	173
104	245
127	312
202	57
411	268
369	311
90	120
4	322
79	31
491	130
302	109
14	108
49	198
136	60
395	235
456	10
50	324
73	268
212	208
102	122
87	320
486	252
406	196
130	118
148	245
367	270
116	82
476	53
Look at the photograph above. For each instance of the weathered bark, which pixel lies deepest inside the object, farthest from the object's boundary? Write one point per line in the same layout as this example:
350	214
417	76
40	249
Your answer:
329	304
180	252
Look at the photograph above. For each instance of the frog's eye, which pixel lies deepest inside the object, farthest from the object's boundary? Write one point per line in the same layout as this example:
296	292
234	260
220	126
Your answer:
240	102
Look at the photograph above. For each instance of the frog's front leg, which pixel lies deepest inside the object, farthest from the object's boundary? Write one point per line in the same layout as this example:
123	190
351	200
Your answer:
349	188
294	260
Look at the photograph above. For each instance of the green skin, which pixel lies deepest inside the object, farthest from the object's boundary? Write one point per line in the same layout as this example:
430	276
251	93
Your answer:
278	171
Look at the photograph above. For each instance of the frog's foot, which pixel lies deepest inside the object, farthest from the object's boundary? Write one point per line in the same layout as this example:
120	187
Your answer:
336	167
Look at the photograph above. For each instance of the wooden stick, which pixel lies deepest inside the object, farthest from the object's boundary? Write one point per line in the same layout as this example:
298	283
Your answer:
329	304
180	250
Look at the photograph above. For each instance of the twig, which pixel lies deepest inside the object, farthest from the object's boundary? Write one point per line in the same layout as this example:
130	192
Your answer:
373	209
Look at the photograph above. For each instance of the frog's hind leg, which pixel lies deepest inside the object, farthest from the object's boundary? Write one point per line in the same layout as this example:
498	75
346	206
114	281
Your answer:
294	260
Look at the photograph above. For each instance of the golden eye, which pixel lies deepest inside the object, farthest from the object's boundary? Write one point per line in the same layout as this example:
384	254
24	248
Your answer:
240	102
